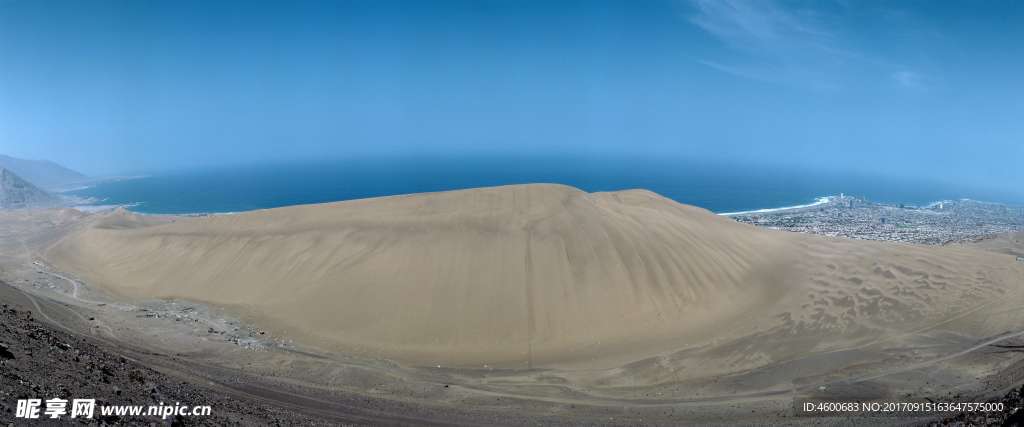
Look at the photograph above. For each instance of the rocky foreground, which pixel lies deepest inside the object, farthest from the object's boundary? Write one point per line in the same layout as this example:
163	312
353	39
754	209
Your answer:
38	361
1013	416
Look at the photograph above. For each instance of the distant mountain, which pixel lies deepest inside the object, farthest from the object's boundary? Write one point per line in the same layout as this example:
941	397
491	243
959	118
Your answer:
18	193
43	173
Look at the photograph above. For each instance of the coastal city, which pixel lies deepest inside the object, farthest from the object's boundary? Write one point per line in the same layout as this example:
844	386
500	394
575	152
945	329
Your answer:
511	213
939	223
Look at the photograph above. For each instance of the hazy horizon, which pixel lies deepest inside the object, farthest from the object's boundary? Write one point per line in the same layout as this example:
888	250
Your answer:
512	212
915	90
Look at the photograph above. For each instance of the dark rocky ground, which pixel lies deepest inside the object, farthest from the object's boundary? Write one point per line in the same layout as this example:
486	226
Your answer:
1013	416
39	361
47	352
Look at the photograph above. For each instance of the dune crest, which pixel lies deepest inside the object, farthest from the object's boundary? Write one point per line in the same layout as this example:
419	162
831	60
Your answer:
529	275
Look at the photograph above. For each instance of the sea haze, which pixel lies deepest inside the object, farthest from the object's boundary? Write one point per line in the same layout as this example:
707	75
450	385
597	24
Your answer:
719	188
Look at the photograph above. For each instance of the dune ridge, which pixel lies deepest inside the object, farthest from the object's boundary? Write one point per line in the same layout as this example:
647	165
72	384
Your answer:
532	275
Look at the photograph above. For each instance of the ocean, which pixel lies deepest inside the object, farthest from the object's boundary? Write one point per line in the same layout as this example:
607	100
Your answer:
717	187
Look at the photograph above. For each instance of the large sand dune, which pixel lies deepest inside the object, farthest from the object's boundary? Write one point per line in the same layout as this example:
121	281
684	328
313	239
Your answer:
541	275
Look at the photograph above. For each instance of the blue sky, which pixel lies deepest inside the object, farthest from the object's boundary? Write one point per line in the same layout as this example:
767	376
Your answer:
903	88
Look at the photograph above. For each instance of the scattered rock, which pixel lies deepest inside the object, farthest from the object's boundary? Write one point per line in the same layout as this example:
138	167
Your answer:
32	365
5	353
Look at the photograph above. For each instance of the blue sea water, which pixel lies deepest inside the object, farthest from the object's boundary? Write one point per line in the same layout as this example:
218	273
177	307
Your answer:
717	187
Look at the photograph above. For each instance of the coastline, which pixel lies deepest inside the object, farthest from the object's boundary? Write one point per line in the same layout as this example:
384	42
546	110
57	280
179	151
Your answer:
189	328
100	208
818	202
104	207
93	182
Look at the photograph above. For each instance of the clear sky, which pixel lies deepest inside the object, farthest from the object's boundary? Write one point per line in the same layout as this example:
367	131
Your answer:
919	88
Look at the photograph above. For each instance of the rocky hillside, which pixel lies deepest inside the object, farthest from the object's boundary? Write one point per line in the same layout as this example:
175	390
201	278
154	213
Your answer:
38	361
44	173
16	192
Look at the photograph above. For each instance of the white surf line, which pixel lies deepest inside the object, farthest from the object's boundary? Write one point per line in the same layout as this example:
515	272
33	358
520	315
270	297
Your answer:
817	202
99	208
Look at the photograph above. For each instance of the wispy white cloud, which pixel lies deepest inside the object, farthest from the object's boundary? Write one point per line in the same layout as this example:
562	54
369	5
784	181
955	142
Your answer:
909	79
734	70
761	26
772	42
